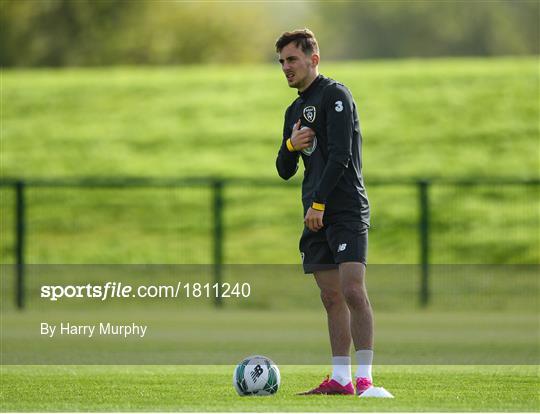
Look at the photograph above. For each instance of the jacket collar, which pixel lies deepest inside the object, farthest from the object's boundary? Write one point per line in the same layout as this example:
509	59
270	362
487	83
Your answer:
304	94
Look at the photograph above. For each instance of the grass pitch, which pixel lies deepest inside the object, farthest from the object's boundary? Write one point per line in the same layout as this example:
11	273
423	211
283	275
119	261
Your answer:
441	117
462	118
509	383
198	336
209	388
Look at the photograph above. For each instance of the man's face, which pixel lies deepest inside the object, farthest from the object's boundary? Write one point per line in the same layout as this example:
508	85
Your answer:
298	68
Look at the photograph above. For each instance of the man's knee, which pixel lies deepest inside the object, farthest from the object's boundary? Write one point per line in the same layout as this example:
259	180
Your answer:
355	296
354	292
331	299
353	286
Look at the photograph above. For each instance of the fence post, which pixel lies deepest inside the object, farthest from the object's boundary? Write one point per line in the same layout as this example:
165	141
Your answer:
218	237
423	187
20	227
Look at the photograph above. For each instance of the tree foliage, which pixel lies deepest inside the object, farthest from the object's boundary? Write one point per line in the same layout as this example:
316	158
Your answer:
394	28
104	32
114	32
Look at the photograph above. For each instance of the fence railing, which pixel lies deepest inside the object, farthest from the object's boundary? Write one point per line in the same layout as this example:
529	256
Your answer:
217	186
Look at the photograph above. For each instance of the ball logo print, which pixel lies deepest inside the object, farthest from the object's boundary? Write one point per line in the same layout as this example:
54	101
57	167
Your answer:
256	373
310	113
256	376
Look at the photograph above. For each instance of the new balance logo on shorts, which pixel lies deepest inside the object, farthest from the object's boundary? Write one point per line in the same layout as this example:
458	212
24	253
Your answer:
342	247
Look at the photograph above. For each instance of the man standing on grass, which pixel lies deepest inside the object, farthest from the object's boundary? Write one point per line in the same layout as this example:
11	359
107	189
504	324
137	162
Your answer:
321	126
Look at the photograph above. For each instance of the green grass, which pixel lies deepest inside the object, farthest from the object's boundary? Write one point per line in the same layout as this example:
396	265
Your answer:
442	118
469	288
201	335
421	117
451	360
209	388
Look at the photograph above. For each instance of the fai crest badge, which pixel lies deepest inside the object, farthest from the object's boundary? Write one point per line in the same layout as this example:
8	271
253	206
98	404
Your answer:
310	113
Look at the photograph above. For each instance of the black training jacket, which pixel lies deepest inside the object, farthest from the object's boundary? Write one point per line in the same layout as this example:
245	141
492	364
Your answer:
333	165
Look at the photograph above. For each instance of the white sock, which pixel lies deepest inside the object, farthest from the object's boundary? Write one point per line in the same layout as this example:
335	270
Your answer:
341	369
364	359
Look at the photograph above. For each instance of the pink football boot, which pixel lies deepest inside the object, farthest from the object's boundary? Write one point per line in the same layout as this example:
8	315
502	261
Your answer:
362	384
331	387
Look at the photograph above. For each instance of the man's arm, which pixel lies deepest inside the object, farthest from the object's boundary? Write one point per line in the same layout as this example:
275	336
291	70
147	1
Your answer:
294	139
338	107
287	159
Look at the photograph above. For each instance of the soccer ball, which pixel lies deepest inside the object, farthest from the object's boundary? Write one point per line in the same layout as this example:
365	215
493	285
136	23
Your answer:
256	375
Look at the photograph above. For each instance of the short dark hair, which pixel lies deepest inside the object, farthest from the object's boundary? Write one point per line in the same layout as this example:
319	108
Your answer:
303	38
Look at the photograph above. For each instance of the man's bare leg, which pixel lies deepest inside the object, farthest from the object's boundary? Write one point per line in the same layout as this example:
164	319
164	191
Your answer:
339	329
354	291
337	311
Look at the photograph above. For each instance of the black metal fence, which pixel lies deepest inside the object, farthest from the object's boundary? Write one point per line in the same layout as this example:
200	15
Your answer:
217	186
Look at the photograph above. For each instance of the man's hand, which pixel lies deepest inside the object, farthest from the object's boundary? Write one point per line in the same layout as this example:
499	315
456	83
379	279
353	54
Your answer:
314	219
301	138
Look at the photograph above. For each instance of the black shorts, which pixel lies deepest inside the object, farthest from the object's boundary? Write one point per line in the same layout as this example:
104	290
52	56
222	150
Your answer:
333	244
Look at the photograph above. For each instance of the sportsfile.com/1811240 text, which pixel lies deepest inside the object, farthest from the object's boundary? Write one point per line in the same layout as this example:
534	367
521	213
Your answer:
119	290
